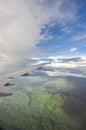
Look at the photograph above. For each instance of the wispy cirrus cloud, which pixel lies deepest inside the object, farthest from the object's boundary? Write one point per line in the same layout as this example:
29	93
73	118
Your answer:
79	37
73	49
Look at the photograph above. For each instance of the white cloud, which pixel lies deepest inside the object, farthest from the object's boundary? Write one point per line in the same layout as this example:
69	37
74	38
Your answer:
21	22
65	73
79	37
73	49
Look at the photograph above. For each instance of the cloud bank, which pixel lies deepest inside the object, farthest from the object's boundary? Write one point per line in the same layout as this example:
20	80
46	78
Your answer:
75	67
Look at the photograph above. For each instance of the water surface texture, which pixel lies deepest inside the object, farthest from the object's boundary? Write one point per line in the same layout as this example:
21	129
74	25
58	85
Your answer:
45	103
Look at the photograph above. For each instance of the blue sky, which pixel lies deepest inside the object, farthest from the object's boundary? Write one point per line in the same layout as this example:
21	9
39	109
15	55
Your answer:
68	39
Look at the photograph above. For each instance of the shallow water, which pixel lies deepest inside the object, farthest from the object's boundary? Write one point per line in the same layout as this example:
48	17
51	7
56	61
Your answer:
45	103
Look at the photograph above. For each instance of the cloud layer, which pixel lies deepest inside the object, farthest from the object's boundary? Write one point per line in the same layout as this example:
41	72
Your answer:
75	67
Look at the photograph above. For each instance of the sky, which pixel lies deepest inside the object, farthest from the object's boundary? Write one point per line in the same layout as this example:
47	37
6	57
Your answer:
41	28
